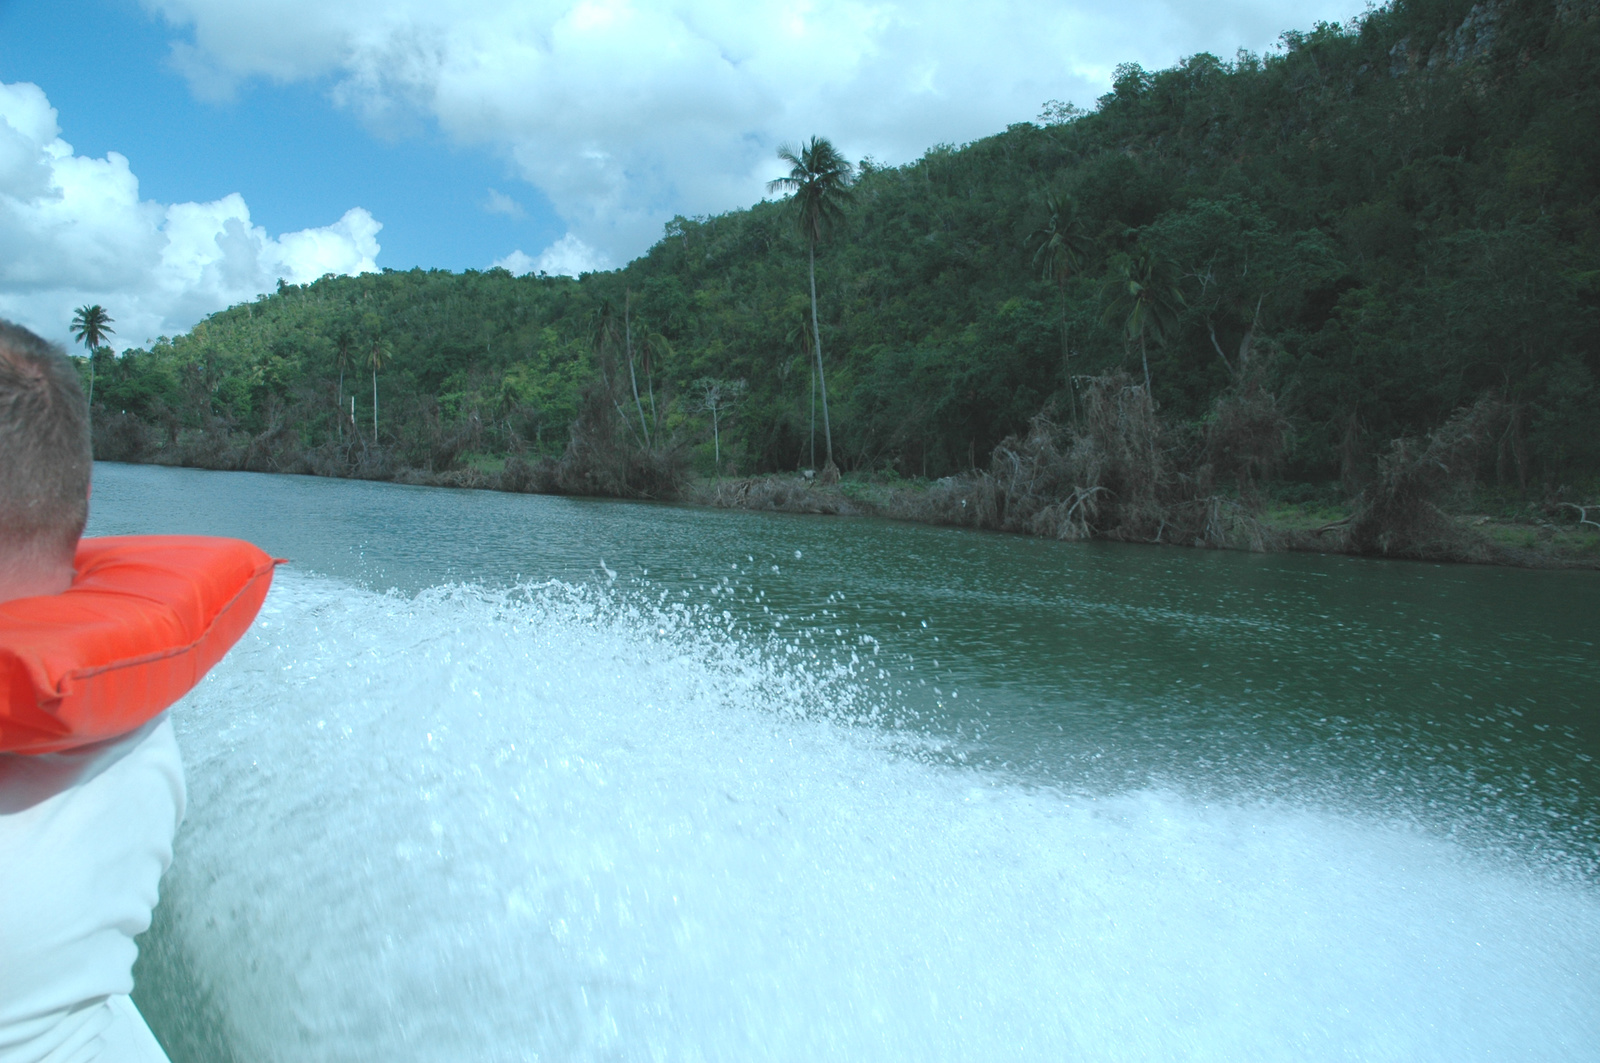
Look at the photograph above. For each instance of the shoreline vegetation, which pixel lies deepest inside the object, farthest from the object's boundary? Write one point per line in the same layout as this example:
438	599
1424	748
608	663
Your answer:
1114	479
1344	297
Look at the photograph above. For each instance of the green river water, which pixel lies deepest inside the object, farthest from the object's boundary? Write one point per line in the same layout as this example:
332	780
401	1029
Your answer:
520	777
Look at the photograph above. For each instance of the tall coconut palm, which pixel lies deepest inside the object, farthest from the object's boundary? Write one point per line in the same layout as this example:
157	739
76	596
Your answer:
91	325
604	335
801	335
1144	297
1061	246
341	360
819	178
633	378
375	361
652	347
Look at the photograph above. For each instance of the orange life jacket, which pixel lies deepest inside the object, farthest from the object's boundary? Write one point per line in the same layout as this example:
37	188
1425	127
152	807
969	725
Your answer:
144	620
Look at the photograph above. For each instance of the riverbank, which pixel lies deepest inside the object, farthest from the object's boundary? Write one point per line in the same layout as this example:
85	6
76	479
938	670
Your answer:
1534	540
1554	536
1117	471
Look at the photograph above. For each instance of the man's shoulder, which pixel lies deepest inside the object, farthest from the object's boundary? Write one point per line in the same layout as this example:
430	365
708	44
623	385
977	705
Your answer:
28	780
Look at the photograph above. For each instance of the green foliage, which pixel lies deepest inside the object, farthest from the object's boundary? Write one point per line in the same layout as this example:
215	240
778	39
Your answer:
1374	226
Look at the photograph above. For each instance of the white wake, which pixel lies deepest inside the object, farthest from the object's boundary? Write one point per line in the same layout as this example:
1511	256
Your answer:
565	825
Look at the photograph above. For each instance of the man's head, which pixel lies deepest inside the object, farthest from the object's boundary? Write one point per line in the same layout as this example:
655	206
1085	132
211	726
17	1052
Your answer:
45	462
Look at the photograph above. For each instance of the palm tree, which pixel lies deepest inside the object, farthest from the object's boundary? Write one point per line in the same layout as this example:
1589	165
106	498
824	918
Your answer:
1142	295
801	335
633	378
375	359
820	179
603	335
652	346
341	360
91	325
1063	245
1063	242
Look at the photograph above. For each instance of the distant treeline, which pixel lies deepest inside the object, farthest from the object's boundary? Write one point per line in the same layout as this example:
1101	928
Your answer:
1321	251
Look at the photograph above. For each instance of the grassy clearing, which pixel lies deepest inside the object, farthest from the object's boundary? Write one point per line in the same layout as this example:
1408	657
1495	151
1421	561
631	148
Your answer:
1569	541
1304	516
486	464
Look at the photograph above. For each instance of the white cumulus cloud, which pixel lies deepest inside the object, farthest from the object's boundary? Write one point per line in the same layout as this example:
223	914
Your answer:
567	257
518	262
625	112
73	230
570	257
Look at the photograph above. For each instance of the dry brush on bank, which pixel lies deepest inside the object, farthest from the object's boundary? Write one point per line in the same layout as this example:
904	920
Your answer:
1400	513
1120	473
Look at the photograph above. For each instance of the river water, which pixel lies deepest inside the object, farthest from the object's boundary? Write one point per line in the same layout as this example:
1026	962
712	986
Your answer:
525	778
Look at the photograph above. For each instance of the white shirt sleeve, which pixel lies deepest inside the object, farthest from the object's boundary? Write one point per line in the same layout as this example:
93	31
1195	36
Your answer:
85	836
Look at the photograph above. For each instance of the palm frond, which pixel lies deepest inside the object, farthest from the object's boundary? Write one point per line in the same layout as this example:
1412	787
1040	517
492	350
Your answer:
819	181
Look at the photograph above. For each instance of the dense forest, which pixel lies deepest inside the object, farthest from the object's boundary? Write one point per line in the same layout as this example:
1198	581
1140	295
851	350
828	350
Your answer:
1362	268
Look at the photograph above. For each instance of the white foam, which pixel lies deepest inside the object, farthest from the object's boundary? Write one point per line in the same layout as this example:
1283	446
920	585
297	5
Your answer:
564	826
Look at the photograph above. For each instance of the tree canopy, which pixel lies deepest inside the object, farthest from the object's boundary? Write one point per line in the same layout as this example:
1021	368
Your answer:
1379	223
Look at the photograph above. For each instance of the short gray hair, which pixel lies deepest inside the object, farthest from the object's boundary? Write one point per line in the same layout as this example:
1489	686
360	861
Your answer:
45	452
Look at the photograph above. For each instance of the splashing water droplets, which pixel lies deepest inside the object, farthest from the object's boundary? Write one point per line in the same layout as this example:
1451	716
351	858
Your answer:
582	823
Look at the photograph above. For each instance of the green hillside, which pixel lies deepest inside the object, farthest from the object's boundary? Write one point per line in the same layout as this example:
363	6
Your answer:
1342	245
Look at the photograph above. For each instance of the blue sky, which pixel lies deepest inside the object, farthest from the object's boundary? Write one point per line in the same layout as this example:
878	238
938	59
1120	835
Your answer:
218	145
298	161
